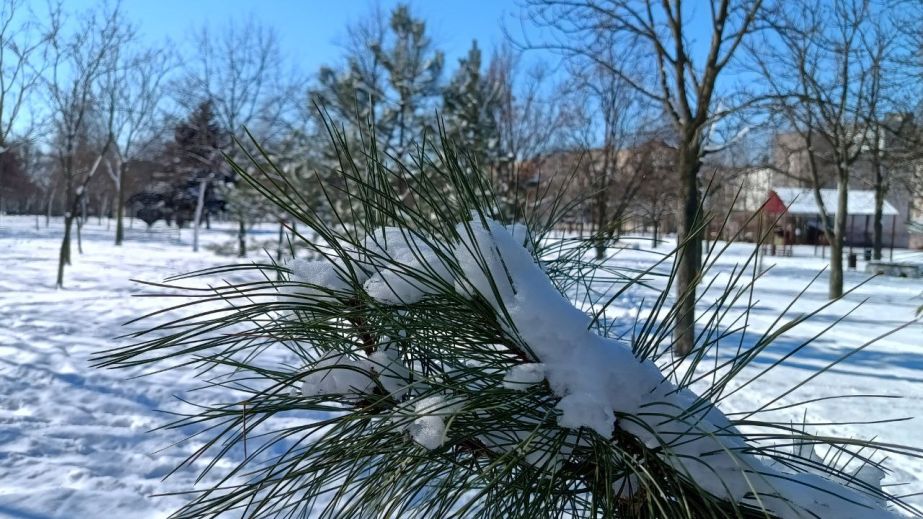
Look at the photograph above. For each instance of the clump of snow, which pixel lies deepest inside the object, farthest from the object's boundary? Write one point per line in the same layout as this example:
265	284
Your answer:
585	410
316	279
338	374
521	376
597	377
429	428
318	272
578	363
392	373
594	377
403	267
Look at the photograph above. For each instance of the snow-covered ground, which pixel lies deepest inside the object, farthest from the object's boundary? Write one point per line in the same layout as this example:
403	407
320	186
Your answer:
889	362
74	441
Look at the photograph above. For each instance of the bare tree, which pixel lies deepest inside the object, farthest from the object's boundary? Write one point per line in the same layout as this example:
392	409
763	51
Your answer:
682	81
531	122
654	202
134	90
20	43
243	73
611	114
820	72
893	90
77	60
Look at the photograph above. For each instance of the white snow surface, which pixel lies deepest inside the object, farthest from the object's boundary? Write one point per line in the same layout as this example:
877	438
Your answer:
429	429
75	441
521	376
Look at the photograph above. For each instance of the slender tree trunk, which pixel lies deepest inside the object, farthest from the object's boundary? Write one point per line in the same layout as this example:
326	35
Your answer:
655	237
688	238
242	238
68	216
601	214
281	240
81	205
877	228
839	235
198	216
64	254
79	235
120	203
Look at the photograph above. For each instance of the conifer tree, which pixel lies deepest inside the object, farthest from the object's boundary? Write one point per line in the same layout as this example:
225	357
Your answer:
414	69
196	163
469	107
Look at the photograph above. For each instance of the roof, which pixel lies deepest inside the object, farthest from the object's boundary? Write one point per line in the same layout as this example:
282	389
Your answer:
858	202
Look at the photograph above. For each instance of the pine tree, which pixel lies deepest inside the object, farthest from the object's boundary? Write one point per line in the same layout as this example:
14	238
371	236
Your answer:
469	107
385	92
196	162
414	69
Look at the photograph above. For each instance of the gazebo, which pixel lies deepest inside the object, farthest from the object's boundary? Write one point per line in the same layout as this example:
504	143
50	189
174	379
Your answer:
799	221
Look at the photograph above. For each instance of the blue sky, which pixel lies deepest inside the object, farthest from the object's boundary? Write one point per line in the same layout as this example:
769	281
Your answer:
310	30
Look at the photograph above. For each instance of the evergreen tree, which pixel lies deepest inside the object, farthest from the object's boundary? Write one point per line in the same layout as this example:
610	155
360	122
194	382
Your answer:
389	82
469	107
414	69
195	160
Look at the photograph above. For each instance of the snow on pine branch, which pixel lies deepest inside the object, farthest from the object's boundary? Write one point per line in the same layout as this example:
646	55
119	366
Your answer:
599	384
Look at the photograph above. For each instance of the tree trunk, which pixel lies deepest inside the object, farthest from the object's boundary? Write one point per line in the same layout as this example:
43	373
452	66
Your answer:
200	202
688	241
281	240
242	238
80	203
68	216
120	203
64	256
877	228
655	237
839	235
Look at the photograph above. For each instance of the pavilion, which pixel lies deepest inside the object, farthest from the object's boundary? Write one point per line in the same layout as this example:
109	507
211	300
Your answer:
799	222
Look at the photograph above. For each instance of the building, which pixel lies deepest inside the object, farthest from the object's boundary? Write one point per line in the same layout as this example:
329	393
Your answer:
795	213
787	180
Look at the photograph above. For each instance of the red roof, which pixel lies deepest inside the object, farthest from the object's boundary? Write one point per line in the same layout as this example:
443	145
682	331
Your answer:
774	205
